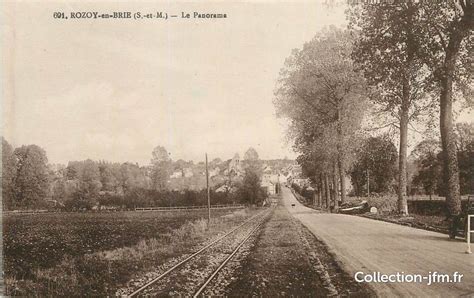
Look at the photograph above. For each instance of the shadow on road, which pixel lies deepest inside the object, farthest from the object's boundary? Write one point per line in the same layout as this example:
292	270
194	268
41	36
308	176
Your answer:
440	237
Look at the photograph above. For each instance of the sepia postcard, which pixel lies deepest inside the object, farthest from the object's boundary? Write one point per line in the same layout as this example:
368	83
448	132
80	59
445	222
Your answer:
257	148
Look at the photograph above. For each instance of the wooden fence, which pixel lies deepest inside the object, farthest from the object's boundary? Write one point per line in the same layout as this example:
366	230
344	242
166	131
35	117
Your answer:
189	208
26	212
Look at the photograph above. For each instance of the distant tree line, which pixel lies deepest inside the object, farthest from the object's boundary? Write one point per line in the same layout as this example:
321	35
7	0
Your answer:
29	182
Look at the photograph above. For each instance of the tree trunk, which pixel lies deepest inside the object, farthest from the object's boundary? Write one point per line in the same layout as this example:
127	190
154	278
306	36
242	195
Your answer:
402	157
340	156
342	175
314	194
326	186
323	191
334	182
320	191
458	32
331	190
405	118
450	161
320	195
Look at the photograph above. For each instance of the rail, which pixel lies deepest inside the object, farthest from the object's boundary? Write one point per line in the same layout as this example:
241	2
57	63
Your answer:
167	272
211	277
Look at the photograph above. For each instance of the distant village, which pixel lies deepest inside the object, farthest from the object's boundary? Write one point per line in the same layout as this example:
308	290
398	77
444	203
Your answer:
31	182
224	176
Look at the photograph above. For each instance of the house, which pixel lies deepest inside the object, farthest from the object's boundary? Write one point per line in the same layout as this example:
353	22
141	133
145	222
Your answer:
269	187
177	174
235	166
267	169
301	182
273	178
226	188
284	177
214	172
294	172
188	172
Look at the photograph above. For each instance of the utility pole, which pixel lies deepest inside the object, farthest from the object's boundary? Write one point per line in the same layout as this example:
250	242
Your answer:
208	196
278	184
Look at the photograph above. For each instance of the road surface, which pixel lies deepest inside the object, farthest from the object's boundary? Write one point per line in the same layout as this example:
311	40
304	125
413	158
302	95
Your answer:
365	245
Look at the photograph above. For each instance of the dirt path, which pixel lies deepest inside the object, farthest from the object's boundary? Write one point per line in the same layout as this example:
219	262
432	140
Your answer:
287	260
373	246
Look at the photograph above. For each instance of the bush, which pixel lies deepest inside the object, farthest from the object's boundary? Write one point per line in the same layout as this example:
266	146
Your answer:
296	187
250	191
140	197
307	194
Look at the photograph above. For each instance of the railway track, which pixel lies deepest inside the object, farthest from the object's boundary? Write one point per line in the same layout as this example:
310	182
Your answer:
192	275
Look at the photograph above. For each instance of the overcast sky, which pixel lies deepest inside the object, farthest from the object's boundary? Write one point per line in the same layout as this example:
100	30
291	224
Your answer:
115	89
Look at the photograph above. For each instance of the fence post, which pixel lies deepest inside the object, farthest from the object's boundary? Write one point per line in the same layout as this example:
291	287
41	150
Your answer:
468	236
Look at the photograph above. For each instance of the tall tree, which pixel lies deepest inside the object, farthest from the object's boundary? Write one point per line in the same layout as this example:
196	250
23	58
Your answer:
449	26
320	90
8	172
160	168
89	180
31	182
251	154
73	169
388	49
132	177
59	190
159	154
108	180
57	181
250	191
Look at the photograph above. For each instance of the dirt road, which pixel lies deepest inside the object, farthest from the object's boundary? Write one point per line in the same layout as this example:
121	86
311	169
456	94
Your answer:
373	246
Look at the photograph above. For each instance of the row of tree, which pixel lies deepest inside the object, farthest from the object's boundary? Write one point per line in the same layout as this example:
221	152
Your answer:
394	66
325	98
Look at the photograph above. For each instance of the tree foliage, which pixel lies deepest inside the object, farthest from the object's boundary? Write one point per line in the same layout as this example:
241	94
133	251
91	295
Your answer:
324	97
377	158
250	190
8	170
429	173
31	178
428	158
28	181
450	25
251	154
160	168
389	49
